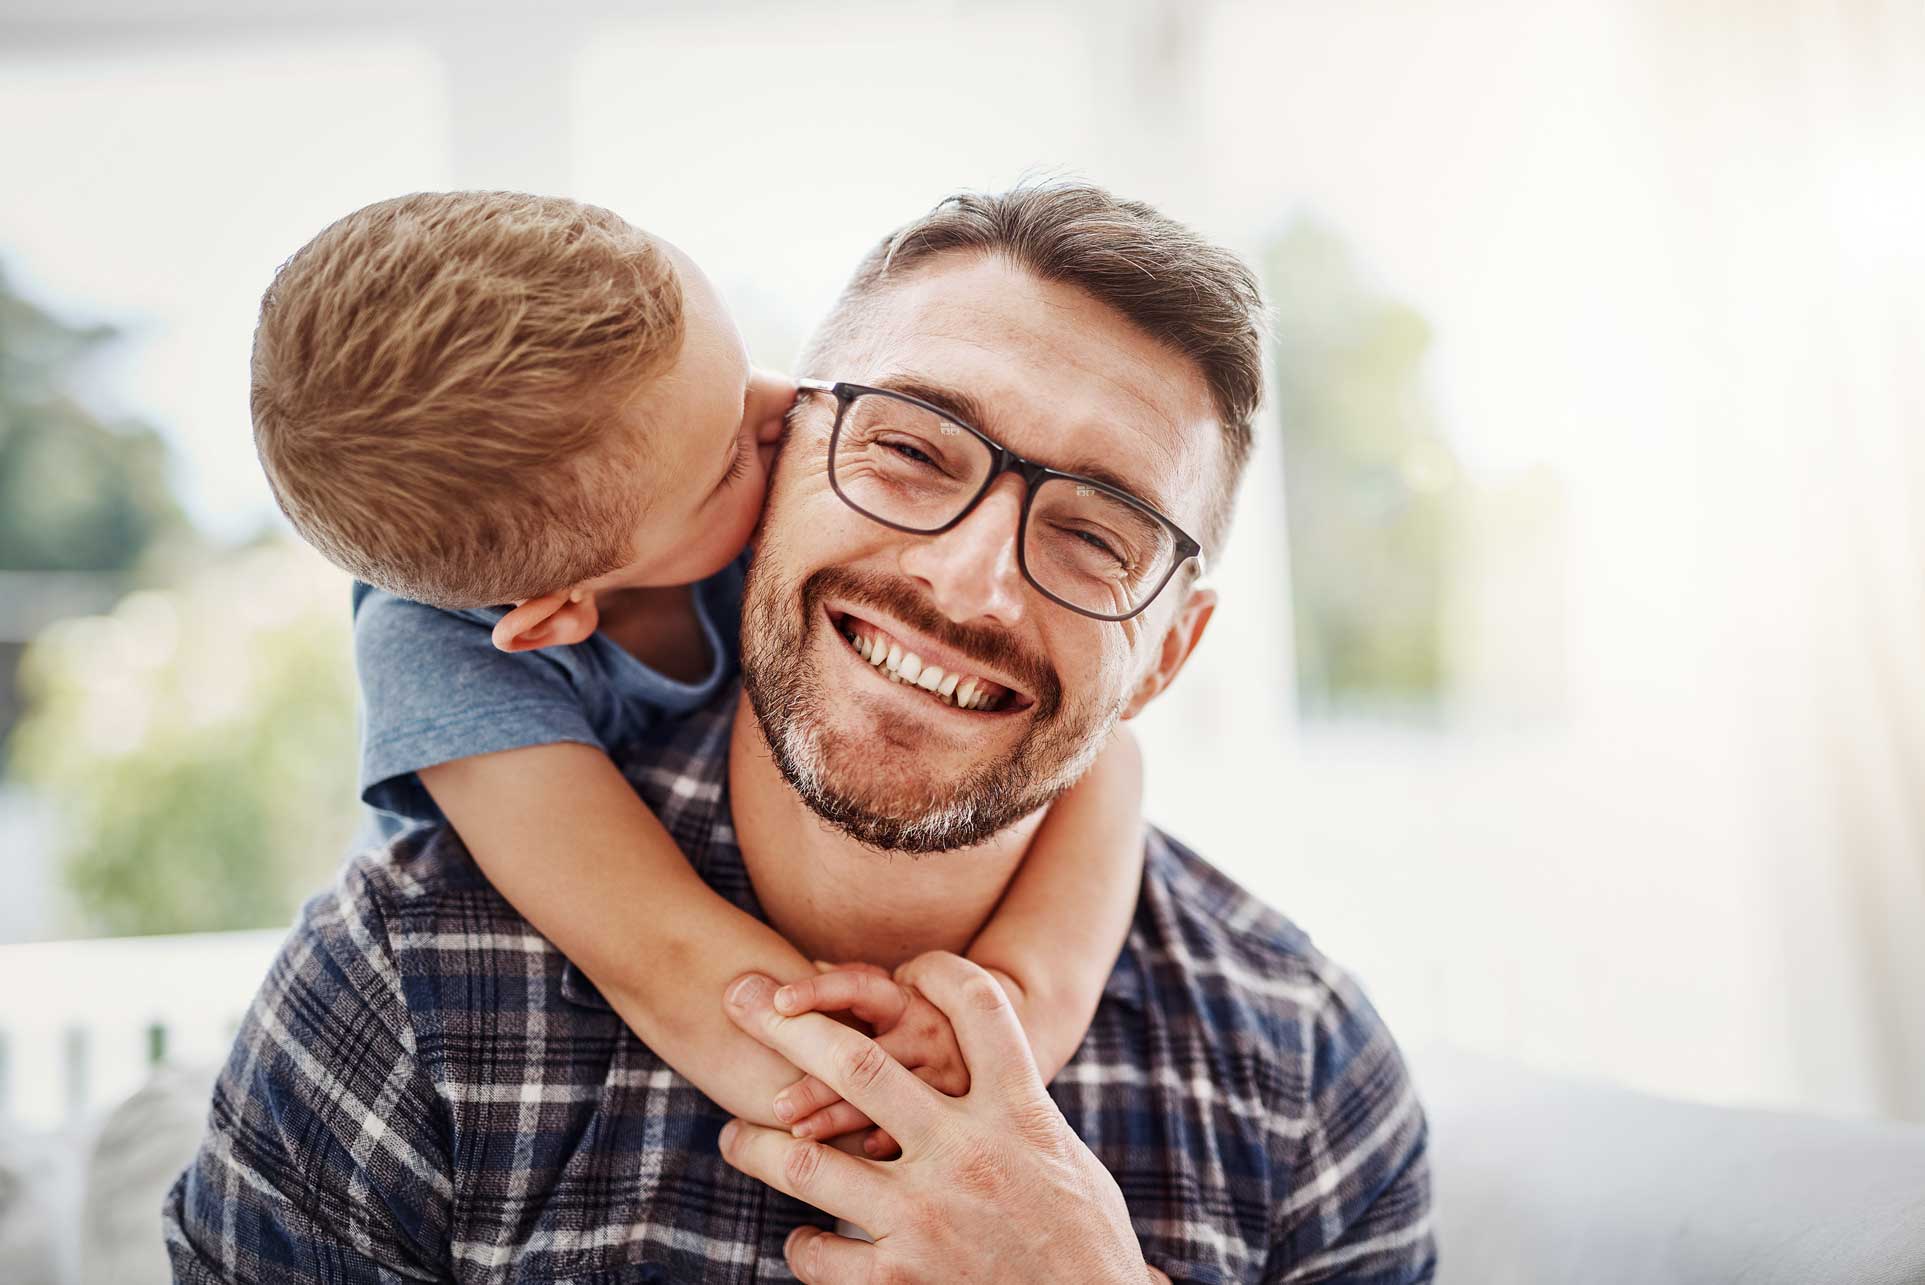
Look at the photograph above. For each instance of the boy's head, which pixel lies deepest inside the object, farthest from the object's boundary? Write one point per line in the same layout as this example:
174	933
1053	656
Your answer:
473	398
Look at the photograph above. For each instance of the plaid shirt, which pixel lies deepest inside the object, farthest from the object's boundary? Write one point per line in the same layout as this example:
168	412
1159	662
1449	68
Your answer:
425	1089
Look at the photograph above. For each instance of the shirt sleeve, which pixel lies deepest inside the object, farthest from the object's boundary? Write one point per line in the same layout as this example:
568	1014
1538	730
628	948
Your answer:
1358	1208
323	1158
434	689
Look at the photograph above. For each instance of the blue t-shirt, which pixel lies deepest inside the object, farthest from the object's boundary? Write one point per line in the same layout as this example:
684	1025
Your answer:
434	688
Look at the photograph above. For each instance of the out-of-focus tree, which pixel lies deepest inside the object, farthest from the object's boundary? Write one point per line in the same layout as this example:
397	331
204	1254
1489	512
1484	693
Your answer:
199	744
196	741
1370	485
77	493
84	502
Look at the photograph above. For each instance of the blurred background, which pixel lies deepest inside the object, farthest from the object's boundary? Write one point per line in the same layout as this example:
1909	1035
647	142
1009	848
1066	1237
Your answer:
1569	681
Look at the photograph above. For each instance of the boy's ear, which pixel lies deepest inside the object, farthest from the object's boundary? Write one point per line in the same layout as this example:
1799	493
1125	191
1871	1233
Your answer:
552	620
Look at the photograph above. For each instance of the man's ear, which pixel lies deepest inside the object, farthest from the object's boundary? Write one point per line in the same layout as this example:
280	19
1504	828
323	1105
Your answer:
552	620
1184	634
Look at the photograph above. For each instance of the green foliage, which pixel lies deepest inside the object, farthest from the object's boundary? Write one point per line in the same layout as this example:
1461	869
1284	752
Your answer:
1370	485
199	743
76	493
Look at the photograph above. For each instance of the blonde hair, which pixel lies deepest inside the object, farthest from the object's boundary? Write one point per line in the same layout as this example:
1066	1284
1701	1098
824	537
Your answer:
438	390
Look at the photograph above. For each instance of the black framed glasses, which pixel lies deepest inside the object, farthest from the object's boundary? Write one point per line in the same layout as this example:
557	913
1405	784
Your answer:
1084	544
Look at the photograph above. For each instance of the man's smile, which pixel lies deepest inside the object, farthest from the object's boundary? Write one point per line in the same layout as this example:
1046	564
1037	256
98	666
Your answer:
902	656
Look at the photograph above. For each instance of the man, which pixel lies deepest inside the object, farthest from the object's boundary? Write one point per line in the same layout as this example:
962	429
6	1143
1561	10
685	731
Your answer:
1026	402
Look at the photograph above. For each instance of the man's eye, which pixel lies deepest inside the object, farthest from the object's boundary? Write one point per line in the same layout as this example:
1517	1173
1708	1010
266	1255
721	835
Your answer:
911	453
1098	543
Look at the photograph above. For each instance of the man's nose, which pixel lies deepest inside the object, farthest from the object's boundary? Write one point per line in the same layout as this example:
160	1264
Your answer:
971	570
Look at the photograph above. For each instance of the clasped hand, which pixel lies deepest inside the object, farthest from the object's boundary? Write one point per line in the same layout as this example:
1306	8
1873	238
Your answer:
903	1023
991	1185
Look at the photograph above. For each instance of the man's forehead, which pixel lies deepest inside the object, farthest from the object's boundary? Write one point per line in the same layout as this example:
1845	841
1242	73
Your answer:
1051	373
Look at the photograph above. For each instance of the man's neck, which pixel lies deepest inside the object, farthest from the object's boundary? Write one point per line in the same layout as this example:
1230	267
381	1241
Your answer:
835	899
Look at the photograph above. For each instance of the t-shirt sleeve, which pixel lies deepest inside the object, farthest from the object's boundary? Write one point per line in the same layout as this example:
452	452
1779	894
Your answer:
1358	1211
434	689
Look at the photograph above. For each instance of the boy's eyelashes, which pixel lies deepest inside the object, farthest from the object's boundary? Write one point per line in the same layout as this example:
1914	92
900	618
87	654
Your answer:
738	467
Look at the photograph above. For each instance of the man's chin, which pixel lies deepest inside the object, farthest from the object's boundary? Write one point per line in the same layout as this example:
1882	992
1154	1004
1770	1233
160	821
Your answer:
887	797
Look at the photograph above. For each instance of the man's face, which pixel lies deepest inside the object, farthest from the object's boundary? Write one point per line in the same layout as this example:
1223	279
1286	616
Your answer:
1059	378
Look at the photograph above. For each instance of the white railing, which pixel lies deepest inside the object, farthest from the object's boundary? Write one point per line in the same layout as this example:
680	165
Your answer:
82	1021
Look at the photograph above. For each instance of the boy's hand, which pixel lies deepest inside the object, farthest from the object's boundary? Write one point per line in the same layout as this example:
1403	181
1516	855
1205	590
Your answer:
907	1026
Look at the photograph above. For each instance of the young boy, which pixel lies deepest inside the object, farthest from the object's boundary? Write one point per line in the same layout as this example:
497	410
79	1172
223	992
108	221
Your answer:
477	398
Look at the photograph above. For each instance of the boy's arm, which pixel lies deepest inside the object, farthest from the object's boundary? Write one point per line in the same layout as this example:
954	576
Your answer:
560	833
1054	939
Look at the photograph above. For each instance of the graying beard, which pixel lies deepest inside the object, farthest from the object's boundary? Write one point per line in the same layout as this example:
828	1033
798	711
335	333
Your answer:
969	818
977	810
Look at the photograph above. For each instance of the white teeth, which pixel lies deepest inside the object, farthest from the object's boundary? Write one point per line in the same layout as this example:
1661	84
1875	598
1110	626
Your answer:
907	667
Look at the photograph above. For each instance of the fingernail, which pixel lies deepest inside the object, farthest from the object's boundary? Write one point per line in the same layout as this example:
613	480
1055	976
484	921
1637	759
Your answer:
740	992
804	1130
728	1134
784	1109
786	998
872	1145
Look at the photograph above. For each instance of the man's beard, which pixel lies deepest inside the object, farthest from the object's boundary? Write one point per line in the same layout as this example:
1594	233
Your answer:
837	778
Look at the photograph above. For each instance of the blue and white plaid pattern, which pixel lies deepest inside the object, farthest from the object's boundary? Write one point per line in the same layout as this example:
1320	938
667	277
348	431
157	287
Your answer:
424	1089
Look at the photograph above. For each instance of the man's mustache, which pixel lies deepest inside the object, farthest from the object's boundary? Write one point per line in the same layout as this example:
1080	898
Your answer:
995	648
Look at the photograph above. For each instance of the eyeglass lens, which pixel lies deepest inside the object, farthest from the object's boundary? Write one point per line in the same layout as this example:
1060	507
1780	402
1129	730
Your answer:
912	468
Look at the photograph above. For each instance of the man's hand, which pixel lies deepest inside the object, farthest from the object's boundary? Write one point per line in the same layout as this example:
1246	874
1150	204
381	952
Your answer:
908	1027
991	1186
